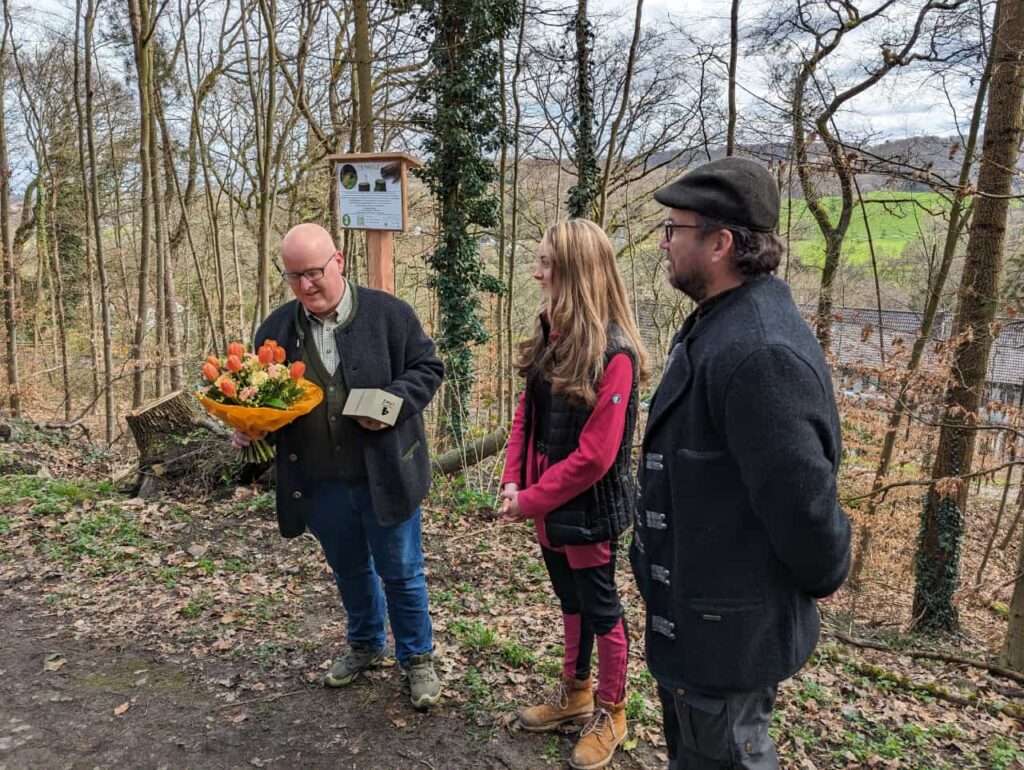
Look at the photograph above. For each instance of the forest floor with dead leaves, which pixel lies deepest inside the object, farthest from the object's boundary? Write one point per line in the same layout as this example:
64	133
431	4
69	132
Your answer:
185	633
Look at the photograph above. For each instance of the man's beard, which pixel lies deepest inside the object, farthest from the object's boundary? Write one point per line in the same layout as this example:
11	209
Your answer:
694	285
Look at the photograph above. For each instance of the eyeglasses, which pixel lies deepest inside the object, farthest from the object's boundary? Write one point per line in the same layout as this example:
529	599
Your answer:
670	226
313	274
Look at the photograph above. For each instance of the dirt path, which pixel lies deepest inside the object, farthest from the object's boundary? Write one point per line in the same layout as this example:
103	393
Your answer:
65	718
188	634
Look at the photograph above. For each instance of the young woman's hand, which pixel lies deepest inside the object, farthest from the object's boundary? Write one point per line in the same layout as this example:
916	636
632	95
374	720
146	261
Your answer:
510	510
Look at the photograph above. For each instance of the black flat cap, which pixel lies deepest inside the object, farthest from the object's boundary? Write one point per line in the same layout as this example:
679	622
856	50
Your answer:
734	190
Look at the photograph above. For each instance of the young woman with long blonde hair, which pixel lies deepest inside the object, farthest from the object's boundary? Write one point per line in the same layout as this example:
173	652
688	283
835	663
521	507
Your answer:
568	469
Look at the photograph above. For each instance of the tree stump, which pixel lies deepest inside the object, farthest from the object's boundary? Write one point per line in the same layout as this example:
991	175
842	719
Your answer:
180	447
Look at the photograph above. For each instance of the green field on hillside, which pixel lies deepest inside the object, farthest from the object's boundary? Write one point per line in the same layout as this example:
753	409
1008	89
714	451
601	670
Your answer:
896	219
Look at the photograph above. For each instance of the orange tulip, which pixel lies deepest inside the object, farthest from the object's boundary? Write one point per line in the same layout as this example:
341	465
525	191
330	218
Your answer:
279	355
297	370
213	361
210	372
236	349
266	355
234	363
227	387
270	343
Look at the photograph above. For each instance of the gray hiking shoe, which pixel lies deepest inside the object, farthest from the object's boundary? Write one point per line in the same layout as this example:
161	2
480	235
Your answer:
424	686
357	659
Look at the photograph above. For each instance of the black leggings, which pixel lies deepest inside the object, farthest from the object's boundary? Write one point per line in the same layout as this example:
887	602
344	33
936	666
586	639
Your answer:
589	592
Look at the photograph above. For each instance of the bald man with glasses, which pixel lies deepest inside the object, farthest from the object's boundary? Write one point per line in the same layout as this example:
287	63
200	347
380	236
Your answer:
355	483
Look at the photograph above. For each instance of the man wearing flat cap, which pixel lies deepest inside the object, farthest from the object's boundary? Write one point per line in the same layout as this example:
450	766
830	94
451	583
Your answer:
738	530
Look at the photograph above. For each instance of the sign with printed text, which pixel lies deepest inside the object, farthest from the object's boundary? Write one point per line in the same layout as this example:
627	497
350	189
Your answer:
370	194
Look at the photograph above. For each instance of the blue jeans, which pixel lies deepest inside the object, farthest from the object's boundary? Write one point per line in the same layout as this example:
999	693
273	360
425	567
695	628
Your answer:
363	555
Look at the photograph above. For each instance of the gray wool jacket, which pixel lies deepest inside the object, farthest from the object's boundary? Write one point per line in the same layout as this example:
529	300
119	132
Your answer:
382	346
739	527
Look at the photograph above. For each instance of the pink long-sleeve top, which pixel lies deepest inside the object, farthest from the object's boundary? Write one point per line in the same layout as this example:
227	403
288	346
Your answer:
548	485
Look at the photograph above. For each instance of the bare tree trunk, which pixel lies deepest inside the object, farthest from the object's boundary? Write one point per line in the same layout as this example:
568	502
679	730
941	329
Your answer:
87	202
161	355
517	122
101	268
954	230
613	150
142	24
1013	651
168	247
42	249
118	219
213	215
60	310
734	45
265	119
364	74
242	330
8	267
942	519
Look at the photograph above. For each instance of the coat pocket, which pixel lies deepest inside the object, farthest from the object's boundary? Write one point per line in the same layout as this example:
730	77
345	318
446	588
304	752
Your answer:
696	473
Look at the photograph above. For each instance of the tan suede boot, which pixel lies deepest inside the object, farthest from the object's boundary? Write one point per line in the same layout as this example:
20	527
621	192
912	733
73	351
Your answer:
601	736
571	701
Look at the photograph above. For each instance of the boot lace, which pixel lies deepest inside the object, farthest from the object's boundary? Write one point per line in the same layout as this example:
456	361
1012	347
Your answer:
559	697
596	723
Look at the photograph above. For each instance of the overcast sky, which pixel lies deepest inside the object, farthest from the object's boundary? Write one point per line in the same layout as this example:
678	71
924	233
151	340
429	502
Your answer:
900	106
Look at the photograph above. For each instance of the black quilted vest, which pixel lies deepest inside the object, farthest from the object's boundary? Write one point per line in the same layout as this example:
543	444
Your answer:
605	510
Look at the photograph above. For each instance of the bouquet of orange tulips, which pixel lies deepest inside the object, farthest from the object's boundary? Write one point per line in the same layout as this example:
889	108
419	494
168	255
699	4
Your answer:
257	393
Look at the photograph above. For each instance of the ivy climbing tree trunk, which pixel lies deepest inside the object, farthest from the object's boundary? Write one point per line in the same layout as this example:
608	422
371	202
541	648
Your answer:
583	194
942	519
464	130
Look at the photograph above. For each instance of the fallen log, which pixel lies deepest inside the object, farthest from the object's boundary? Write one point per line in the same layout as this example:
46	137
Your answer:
469	454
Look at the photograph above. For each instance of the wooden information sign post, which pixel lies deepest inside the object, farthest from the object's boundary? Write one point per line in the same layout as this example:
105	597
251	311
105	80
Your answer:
373	195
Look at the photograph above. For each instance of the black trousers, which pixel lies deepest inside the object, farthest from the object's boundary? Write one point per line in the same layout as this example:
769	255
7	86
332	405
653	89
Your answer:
589	592
720	732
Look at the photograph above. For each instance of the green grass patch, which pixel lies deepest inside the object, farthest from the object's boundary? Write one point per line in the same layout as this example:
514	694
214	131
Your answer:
553	750
103	540
1003	753
550	667
479	696
474	635
265	608
516	655
196	606
5	525
869	743
812	691
169	576
52	496
896	220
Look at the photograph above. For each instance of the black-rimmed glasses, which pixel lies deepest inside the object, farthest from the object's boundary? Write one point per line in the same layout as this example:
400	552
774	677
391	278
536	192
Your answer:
313	274
670	226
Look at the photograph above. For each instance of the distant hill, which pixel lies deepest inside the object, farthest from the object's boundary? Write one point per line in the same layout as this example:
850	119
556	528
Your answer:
936	153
